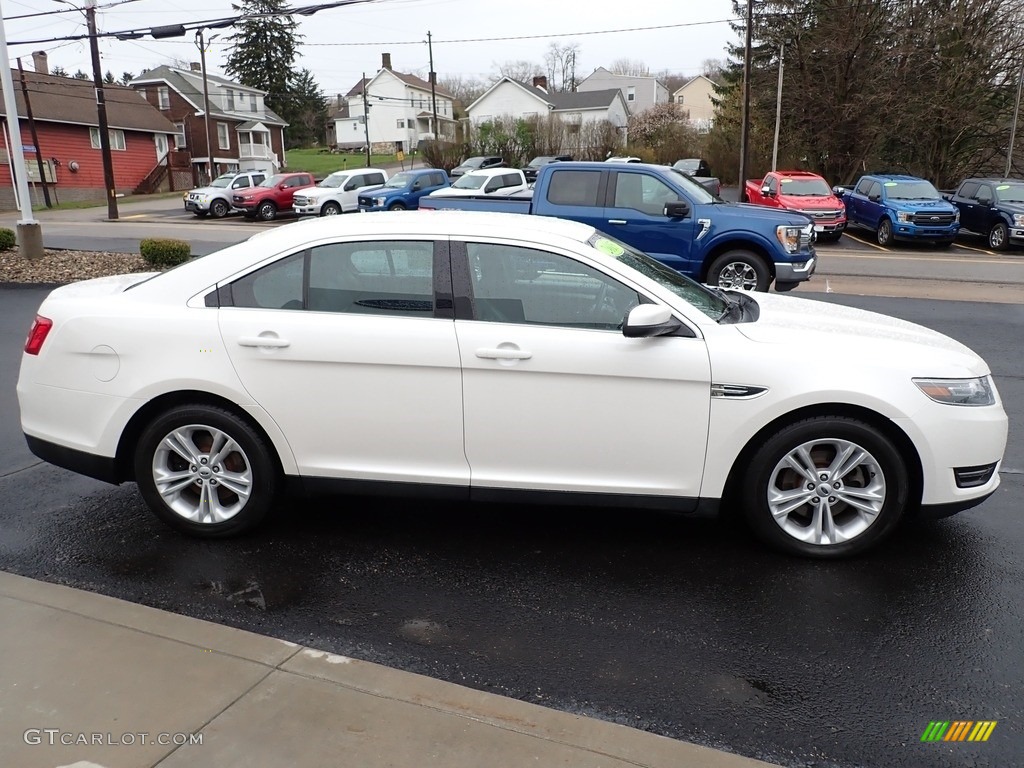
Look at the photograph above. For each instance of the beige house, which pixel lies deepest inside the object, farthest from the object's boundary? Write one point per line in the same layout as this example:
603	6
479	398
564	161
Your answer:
696	98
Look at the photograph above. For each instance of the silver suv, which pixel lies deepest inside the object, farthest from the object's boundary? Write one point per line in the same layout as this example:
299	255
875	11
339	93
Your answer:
216	198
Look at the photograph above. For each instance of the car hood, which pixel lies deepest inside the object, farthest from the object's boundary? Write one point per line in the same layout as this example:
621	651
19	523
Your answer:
1011	207
207	190
803	324
816	203
750	211
939	206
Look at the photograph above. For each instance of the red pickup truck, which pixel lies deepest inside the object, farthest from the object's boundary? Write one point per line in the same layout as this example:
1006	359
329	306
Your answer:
271	197
804	192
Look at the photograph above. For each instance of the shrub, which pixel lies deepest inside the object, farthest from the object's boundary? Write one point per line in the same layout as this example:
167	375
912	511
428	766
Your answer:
165	251
7	239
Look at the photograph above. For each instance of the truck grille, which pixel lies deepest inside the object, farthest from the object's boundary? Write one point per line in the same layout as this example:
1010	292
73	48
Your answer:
819	215
367	201
300	200
937	219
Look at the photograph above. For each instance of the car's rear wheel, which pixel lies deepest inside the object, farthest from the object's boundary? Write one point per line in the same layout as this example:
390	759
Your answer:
219	209
741	270
330	209
205	472
828	486
883	235
267	211
998	237
398	205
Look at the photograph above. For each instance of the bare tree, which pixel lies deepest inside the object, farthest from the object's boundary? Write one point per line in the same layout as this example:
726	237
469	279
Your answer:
634	67
714	69
560	62
521	70
466	90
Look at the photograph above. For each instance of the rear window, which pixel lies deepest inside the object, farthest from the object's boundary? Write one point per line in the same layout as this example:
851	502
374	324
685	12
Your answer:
574	187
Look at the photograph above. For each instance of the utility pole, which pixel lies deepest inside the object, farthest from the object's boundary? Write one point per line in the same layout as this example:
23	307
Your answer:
30	234
433	81
206	101
745	118
778	107
101	111
366	120
34	135
1013	126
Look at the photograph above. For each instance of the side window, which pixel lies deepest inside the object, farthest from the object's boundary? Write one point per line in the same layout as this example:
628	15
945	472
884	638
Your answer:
375	178
373	278
241	183
275	286
863	186
984	194
574	187
773	184
512	180
258	178
512	284
436	179
968	189
642	192
875	190
354	182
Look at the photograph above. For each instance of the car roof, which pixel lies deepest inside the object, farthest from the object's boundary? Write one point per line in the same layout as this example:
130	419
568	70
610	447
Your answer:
357	170
796	174
490	172
895	177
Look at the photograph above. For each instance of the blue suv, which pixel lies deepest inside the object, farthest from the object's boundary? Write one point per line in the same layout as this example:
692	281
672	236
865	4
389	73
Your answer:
897	207
403	190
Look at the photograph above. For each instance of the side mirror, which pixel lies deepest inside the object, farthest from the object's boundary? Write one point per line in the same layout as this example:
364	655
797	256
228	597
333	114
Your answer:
875	198
350	186
647	320
677	209
492	187
766	190
838	191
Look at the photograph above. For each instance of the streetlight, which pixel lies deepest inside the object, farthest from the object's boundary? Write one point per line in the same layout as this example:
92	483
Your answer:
1013	126
778	105
206	96
745	117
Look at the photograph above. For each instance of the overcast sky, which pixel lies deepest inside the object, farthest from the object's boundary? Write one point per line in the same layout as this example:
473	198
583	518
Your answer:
340	43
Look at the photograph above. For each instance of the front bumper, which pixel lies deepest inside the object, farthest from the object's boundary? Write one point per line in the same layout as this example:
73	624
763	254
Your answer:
196	205
789	274
908	231
307	210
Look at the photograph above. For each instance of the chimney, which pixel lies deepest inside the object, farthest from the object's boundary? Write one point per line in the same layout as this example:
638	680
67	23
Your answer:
385	61
39	62
541	81
195	66
341	100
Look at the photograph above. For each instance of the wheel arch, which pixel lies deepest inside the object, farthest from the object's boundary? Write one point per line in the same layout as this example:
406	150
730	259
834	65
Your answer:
900	439
718	249
123	460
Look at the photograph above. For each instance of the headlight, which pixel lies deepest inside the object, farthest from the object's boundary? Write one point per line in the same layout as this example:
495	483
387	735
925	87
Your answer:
956	216
978	391
379	200
789	237
1018	219
904	217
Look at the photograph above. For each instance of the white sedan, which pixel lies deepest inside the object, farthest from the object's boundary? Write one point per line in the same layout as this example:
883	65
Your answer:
497	356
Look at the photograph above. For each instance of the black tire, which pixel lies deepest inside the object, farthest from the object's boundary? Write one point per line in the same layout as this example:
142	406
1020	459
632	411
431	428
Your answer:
200	214
398	205
999	237
330	209
198	424
267	211
219	209
830	237
766	470
883	235
740	269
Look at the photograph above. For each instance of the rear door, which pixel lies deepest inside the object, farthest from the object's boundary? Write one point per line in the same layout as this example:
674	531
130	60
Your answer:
636	215
577	195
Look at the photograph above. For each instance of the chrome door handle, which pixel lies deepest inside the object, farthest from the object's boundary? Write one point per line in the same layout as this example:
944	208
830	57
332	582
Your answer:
503	354
262	341
616	221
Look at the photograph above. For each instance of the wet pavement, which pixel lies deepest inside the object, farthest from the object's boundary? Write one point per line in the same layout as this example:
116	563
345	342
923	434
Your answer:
681	627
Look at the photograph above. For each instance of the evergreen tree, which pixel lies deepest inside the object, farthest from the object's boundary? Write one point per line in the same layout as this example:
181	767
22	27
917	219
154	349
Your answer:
263	52
126	77
309	123
59	72
109	78
80	75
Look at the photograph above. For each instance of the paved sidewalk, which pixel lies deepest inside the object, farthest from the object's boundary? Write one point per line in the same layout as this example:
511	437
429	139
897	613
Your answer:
88	681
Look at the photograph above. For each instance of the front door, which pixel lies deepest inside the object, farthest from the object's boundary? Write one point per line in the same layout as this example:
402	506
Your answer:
341	345
556	398
636	215
161	146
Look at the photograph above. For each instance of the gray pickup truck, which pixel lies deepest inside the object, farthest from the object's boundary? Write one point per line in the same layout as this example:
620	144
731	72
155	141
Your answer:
699	170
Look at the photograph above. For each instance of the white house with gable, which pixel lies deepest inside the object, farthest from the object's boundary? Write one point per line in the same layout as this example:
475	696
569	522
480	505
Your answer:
400	110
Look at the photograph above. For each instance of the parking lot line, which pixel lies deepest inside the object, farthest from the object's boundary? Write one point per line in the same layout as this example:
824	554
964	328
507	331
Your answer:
840	254
868	242
972	248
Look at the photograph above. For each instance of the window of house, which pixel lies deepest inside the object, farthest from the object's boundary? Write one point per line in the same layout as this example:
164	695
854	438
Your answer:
163	98
679	99
116	136
631	93
512	284
400	123
223	138
231	99
252	102
179	136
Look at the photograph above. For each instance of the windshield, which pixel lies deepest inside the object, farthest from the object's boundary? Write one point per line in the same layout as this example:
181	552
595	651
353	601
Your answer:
911	190
273	181
695	294
805	188
1010	193
696	190
470	182
686	165
474	162
542	160
400	181
333	181
222	181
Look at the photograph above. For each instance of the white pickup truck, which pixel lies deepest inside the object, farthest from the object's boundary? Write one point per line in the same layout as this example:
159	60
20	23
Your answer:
489	181
338	193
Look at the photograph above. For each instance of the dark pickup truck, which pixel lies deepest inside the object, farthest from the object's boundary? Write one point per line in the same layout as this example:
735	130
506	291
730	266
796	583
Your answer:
670	216
993	208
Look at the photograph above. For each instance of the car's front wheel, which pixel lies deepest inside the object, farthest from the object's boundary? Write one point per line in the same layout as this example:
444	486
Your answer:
828	486
330	209
204	471
267	211
398	205
883	235
741	270
219	209
998	237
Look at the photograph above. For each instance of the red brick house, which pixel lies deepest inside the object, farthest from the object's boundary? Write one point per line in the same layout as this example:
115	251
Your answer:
66	121
246	134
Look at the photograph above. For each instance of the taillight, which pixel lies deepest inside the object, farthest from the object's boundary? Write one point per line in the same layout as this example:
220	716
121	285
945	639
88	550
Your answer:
37	334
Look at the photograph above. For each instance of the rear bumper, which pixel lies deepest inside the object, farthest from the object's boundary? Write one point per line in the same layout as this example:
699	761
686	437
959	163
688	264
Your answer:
99	467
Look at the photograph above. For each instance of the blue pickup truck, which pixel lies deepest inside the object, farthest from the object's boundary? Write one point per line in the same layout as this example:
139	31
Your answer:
403	190
667	214
897	207
994	208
